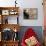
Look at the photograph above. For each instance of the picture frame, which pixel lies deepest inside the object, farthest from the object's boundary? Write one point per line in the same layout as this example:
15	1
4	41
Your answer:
5	12
13	12
30	13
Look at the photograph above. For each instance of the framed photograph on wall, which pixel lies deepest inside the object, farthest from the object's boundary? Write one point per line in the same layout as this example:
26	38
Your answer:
30	13
5	12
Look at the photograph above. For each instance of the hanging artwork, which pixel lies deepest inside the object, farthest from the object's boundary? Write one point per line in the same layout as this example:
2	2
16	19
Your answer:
5	12
30	13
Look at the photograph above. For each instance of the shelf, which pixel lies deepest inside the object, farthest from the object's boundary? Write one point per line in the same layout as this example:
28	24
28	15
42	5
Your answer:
9	10
10	41
11	26
10	19
6	12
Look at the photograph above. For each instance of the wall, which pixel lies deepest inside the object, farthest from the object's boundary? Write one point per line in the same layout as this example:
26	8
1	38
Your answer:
32	4
6	3
26	4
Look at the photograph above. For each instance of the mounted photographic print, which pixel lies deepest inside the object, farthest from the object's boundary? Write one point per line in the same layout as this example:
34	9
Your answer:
30	13
5	12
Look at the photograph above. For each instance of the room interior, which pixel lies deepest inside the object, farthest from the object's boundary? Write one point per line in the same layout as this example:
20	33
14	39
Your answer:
14	21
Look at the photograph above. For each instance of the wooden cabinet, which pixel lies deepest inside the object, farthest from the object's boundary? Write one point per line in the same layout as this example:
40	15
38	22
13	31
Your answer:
6	12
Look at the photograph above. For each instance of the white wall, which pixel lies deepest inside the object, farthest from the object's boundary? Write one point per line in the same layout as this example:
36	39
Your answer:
26	4
6	3
32	4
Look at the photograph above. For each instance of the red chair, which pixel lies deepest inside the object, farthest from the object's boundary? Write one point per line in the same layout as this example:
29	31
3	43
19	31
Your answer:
29	33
